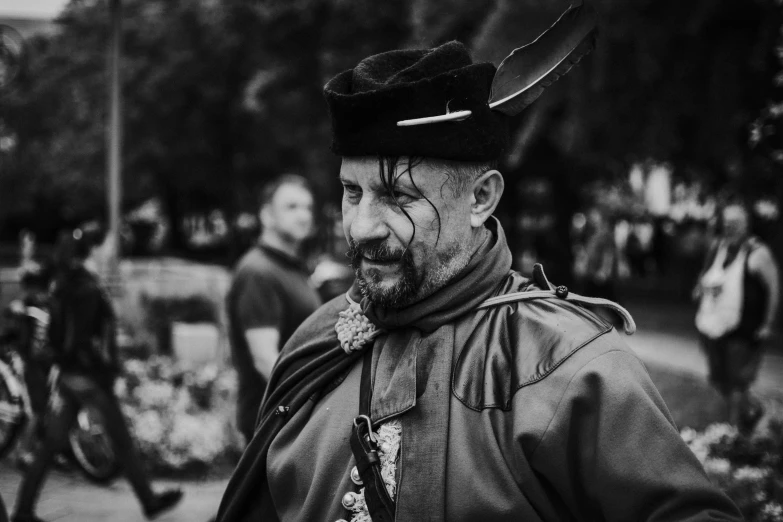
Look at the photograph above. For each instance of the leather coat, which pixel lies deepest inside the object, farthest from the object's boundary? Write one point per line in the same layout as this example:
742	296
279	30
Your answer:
551	417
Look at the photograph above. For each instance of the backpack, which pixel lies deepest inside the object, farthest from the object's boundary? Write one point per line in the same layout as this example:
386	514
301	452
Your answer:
722	292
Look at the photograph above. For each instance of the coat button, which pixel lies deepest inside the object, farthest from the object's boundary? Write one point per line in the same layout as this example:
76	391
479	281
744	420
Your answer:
561	292
349	500
357	479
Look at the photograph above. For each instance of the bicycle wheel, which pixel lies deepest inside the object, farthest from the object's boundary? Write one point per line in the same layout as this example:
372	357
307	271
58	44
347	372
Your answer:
12	414
92	447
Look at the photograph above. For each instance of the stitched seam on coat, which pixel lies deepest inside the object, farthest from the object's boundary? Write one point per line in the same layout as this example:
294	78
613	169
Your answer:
565	392
507	406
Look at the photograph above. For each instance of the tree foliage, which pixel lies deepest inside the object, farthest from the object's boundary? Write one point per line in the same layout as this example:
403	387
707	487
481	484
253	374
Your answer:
220	96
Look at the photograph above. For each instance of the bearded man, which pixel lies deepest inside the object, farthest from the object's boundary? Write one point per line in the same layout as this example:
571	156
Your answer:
446	386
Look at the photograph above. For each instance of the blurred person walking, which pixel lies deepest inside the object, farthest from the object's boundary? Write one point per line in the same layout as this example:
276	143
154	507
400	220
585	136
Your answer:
738	292
30	335
597	258
270	293
82	339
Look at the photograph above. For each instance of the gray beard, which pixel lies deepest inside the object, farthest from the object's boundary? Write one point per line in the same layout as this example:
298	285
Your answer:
413	286
399	295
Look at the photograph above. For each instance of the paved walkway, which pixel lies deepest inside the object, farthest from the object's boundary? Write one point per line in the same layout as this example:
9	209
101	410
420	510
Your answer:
69	498
682	352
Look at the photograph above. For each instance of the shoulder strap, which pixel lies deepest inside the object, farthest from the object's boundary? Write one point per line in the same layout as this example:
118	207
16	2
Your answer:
365	451
561	292
709	259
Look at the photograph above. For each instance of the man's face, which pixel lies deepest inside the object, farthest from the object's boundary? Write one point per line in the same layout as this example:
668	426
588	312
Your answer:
735	223
409	241
290	213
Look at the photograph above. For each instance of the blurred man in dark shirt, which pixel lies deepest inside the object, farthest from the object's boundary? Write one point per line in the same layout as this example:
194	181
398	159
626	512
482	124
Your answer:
82	338
271	293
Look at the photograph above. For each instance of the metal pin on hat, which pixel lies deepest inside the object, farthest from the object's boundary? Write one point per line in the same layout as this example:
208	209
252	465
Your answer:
452	116
449	116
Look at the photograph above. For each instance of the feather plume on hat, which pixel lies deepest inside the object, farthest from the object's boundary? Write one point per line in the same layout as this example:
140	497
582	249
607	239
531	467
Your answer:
524	74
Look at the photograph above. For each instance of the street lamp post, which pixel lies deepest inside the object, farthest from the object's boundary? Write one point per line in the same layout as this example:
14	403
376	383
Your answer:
114	141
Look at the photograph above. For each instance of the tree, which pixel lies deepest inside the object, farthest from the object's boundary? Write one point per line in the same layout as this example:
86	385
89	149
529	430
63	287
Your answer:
220	96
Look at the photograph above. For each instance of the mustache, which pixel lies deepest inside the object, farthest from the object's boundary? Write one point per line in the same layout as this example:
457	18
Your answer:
377	251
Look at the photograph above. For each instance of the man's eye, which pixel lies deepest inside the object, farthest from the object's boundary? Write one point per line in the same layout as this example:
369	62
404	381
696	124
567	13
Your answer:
352	191
401	196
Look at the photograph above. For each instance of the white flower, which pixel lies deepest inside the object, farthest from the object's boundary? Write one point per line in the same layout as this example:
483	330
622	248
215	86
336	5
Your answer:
226	383
689	435
717	466
149	429
720	433
750	474
153	394
772	512
200	438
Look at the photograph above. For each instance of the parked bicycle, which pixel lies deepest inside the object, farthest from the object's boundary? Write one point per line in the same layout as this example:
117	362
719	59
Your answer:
89	444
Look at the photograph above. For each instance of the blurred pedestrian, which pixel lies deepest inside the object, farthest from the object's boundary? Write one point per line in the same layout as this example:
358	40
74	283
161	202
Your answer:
600	256
33	346
739	293
82	337
271	293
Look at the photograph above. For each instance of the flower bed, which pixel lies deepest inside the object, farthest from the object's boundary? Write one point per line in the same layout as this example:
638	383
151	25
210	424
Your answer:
183	419
748	469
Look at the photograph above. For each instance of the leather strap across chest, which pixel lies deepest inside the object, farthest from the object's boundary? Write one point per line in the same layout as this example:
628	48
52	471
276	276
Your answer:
365	451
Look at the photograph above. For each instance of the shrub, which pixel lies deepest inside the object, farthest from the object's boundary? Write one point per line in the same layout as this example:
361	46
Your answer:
161	312
749	469
183	419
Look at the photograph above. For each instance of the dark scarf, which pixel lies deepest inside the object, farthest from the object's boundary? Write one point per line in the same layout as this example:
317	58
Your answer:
313	359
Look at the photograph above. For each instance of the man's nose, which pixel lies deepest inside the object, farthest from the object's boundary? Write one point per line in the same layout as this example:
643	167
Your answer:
367	224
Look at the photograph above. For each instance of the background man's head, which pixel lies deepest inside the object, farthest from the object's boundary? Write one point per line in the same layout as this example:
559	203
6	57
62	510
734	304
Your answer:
286	209
736	221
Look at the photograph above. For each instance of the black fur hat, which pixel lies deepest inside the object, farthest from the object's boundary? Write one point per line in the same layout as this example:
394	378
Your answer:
366	103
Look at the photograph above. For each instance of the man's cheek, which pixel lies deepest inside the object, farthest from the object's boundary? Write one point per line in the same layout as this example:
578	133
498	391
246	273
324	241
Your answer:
348	213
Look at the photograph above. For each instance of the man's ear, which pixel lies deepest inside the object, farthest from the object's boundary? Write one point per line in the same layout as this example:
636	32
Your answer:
487	190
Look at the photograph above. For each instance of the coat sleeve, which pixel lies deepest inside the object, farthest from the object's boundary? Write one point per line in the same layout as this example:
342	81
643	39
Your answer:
613	453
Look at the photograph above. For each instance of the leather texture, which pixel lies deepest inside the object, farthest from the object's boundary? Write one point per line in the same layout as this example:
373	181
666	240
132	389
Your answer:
513	345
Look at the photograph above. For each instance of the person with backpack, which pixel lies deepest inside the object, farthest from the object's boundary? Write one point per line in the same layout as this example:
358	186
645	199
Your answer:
738	292
82	339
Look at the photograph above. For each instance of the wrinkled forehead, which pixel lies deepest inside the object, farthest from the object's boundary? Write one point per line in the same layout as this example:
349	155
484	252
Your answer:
354	167
422	172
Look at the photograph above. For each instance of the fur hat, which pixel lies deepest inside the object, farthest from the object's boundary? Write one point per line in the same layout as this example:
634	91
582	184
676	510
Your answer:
366	103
